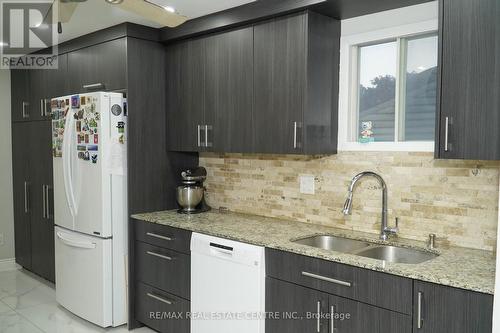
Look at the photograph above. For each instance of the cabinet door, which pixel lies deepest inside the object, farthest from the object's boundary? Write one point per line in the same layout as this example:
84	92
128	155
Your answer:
279	84
20	95
186	96
469	117
440	309
21	191
229	90
57	79
99	67
294	309
39	93
42	222
354	317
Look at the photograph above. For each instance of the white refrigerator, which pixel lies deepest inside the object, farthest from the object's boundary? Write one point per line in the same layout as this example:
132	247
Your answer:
90	205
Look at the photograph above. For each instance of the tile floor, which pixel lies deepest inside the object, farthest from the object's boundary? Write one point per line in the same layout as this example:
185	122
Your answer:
28	305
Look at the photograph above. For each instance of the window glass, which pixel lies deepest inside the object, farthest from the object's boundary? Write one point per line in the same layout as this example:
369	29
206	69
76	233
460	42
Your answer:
421	89
377	90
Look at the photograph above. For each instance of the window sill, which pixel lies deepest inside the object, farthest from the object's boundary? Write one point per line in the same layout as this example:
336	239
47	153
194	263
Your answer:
415	146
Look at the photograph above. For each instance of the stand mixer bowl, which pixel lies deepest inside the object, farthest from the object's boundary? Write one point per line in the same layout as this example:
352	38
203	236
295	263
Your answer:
189	196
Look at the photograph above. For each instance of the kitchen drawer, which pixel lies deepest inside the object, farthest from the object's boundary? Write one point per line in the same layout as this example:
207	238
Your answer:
161	311
380	289
164	269
164	236
352	316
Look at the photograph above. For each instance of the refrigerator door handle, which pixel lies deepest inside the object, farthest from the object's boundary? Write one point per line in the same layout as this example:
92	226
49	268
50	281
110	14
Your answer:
73	243
67	172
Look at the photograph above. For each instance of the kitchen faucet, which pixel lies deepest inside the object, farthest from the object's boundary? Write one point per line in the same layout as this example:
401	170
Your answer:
385	230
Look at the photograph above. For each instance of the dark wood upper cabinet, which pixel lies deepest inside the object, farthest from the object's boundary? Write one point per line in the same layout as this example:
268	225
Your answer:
229	91
20	108
210	93
268	88
58	83
440	309
101	67
469	115
185	95
296	84
32	89
185	72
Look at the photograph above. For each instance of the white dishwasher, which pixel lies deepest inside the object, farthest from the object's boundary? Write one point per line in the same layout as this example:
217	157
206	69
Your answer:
227	286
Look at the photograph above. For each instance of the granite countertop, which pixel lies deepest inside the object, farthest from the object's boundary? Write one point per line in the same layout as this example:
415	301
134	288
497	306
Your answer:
455	266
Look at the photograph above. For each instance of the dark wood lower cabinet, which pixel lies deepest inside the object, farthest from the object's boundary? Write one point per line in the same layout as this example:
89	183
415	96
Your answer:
21	182
160	310
42	215
163	268
364	301
355	317
294	309
33	197
297	309
441	309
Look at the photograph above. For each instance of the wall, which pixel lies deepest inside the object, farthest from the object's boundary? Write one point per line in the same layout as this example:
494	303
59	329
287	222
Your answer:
456	200
6	204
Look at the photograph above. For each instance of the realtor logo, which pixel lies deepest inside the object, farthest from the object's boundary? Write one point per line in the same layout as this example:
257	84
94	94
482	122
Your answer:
27	34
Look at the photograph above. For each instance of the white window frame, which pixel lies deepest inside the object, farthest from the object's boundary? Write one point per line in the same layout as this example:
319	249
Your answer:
348	90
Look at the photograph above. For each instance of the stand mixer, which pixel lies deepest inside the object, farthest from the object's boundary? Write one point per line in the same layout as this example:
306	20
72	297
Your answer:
191	194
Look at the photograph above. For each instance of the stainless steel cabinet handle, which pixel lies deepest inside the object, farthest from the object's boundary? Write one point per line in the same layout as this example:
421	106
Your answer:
446	130
44	202
47	202
207	128
159	236
199	135
93	86
327	279
332	320
296	142
26	197
294	135
42	107
419	310
158	255
47	109
26	113
161	299
318	319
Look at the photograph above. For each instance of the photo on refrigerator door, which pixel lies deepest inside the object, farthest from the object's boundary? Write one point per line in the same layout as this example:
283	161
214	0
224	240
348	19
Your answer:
87	128
59	108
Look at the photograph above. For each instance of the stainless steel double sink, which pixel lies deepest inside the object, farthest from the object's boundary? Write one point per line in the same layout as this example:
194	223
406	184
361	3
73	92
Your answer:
387	253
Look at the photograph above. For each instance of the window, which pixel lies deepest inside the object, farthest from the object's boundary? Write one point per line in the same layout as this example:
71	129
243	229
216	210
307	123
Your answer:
395	94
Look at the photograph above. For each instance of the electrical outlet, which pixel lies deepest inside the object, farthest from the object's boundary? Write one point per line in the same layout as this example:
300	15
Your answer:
2	240
307	184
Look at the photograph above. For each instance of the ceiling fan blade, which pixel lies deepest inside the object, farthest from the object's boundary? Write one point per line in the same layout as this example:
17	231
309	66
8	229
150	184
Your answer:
152	12
65	10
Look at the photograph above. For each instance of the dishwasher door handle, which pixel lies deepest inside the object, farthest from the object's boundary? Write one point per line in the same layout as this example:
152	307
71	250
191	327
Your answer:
225	250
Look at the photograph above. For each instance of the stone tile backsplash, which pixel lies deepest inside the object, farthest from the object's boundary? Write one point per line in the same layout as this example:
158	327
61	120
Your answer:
457	200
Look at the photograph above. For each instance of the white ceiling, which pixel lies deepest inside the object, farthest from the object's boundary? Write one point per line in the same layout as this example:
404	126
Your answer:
94	15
